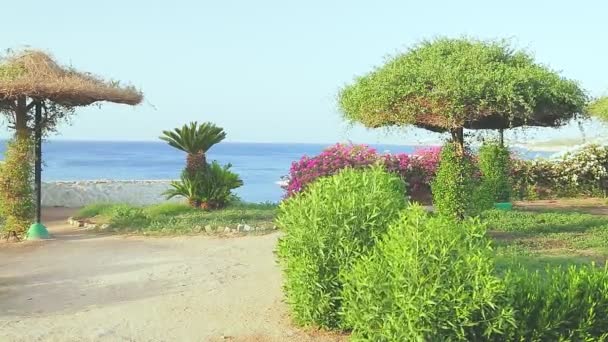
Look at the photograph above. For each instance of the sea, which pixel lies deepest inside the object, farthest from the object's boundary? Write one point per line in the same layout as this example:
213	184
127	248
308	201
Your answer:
260	165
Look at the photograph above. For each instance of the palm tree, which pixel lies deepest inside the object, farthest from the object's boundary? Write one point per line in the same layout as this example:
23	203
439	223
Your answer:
195	140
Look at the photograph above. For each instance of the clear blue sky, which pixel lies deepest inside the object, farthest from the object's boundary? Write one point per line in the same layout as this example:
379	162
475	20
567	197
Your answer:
269	71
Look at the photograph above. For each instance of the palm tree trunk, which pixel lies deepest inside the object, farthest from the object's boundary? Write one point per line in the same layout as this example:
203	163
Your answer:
195	163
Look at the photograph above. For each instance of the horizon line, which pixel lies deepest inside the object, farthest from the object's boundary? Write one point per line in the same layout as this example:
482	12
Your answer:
238	142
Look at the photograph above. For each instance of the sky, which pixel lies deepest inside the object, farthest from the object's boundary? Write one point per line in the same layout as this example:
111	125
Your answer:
270	70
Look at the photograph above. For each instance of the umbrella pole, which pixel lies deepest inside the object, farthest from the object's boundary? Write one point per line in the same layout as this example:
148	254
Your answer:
501	137
38	161
38	230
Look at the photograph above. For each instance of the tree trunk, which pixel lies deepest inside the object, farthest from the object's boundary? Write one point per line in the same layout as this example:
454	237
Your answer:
501	137
458	137
38	160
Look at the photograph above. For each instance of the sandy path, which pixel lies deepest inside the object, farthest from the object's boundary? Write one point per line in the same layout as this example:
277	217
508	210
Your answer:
86	287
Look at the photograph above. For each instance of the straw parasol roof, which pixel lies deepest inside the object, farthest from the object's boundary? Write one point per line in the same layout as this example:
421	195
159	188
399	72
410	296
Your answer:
37	75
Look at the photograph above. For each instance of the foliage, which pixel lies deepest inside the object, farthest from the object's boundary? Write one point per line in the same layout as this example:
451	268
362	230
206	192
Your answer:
494	161
174	218
16	179
93	210
195	140
446	83
188	187
126	216
217	184
424	164
416	169
578	173
429	279
599	108
454	186
558	304
326	229
329	162
210	188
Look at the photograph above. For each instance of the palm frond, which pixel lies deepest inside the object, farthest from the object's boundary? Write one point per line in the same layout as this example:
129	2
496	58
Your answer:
194	138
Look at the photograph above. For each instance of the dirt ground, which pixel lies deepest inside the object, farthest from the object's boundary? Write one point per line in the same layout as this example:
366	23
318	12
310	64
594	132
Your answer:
82	286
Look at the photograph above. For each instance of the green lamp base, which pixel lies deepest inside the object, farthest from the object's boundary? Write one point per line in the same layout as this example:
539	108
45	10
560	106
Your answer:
503	206
37	231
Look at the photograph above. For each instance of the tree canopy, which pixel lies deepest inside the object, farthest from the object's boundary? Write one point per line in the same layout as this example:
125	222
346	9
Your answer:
448	84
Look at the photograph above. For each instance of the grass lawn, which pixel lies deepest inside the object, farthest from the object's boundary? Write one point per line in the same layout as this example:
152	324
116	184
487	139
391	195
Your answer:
542	233
175	218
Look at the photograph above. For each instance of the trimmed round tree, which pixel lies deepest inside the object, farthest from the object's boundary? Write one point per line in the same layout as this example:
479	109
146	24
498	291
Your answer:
446	85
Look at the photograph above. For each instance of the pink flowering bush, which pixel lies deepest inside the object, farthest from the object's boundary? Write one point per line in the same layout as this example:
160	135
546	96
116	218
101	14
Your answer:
424	167
416	169
329	162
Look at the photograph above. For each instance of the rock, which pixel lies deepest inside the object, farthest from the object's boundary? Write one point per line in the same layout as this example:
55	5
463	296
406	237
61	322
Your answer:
70	221
240	227
81	224
90	226
274	227
247	228
227	230
105	226
208	229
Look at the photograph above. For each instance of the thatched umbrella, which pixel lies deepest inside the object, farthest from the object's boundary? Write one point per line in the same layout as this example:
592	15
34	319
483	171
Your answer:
34	80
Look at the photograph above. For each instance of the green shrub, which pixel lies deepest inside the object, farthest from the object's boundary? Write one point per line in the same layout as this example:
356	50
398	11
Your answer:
217	185
208	189
16	180
494	161
327	227
125	216
431	278
454	187
559	304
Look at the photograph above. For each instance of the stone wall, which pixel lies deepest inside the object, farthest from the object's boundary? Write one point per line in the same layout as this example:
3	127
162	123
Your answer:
80	193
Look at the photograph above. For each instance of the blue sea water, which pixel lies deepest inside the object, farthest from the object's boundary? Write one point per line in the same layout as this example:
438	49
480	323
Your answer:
259	165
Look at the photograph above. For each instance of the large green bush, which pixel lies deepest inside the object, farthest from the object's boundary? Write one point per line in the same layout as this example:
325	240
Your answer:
16	180
327	228
429	279
559	304
454	187
494	161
